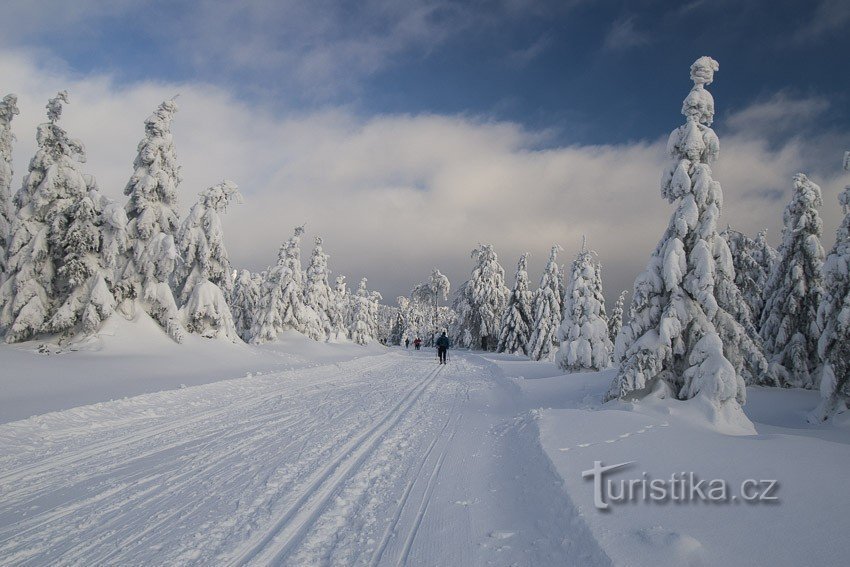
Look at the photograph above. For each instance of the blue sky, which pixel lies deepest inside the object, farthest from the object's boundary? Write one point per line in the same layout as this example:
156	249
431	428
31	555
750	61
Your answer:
419	105
588	71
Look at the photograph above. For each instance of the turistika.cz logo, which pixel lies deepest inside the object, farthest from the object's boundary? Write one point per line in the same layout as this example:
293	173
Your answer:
679	487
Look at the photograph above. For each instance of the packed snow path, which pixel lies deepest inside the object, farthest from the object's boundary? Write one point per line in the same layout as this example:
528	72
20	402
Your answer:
385	460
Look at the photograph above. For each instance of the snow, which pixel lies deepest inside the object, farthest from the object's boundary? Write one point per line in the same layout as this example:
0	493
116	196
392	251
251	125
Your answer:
299	452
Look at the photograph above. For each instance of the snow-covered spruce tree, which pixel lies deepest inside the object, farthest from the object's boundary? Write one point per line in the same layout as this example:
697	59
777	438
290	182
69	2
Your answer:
583	333
267	323
153	222
834	319
244	302
615	322
83	273
547	310
295	314
56	280
481	302
339	309
517	319
318	294
789	326
378	325
426	297
672	337
205	277
361	320
8	110
753	260
399	323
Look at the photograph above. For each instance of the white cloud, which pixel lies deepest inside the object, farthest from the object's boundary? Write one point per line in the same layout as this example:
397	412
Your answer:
830	16
395	195
623	34
779	114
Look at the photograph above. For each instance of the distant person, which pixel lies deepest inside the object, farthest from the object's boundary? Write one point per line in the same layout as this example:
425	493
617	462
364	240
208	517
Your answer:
442	347
417	343
407	342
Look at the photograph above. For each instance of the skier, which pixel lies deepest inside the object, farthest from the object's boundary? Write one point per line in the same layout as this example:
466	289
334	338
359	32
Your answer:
417	343
442	347
407	342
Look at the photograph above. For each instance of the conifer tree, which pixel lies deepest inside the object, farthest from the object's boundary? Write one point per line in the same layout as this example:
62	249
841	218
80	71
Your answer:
200	242
245	302
8	110
834	319
361	321
294	312
753	260
205	277
789	325
615	322
399	322
672	337
517	319
153	222
56	279
547	310
583	333
318	294
338	314
481	302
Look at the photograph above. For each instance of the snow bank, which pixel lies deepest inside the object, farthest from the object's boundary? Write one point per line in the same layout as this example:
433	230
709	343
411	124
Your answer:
128	358
807	526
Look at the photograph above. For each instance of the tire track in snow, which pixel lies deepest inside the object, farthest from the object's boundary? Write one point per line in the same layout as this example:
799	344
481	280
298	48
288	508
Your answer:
273	545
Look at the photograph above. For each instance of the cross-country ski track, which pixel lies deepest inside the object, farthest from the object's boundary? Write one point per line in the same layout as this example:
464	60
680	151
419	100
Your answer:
382	460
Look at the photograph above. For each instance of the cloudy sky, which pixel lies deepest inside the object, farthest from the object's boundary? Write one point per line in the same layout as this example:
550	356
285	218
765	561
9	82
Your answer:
406	131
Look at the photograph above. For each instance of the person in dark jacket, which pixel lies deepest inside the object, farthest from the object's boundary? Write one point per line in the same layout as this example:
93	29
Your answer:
417	343
407	342
442	347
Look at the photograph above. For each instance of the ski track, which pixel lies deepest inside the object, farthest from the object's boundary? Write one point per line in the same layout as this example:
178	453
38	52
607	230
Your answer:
387	460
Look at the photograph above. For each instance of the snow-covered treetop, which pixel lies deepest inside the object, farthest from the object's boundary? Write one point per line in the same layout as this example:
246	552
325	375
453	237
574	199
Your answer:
53	139
844	196
801	209
8	108
219	196
159	123
54	106
699	104
439	283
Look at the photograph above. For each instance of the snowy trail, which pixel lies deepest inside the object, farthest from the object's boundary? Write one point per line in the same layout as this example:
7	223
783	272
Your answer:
388	460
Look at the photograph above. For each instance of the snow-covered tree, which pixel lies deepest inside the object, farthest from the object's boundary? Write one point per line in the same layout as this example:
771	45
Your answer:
362	325
547	310
339	308
295	314
834	319
205	277
200	242
282	304
426	298
399	322
8	110
517	319
267	323
583	333
377	325
244	302
789	326
753	260
56	279
318	294
672	337
87	298
615	322
153	222
481	302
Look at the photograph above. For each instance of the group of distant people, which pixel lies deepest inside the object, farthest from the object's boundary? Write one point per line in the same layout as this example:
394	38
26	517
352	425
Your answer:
442	345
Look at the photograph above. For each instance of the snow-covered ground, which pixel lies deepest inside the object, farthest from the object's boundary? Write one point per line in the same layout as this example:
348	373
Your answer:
303	453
